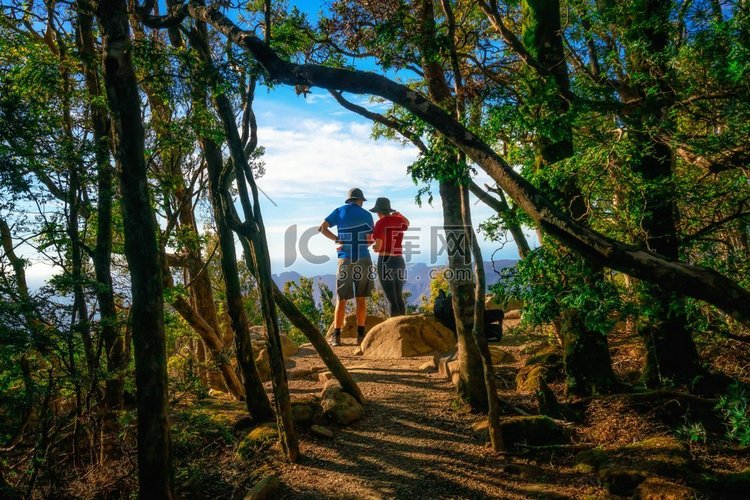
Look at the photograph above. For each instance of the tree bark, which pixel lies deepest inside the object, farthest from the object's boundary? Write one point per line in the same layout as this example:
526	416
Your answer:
114	345
256	398
586	356
155	475
253	229
493	404
671	352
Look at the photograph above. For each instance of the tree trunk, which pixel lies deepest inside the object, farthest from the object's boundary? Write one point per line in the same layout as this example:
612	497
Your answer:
114	345
155	476
672	354
493	405
471	386
253	229
542	38
256	398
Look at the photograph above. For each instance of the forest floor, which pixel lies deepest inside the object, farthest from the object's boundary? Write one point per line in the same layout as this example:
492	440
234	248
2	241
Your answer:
416	440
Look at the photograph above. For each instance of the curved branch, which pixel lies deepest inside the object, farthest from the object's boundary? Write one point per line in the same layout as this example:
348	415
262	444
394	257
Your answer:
695	281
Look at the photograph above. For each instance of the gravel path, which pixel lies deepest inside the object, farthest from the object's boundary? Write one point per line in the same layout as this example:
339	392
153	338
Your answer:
415	441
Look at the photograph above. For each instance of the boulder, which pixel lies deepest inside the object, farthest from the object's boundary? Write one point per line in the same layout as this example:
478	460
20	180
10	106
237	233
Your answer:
349	330
656	488
265	489
339	406
259	340
322	431
258	438
500	355
535	430
263	364
624	468
513	314
528	377
406	336
306	409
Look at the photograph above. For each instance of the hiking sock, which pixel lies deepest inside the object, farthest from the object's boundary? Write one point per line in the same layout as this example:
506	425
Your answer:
336	339
360	334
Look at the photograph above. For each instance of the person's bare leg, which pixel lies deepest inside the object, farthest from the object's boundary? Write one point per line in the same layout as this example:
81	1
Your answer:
361	310
361	318
340	314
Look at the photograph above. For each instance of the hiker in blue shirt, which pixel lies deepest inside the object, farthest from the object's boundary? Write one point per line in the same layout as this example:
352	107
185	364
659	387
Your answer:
355	276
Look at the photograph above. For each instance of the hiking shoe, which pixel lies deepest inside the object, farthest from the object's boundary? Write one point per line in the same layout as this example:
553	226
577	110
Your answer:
360	338
335	339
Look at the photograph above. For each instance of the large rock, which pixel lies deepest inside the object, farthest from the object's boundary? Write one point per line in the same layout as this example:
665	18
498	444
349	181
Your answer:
265	489
534	430
405	336
259	340
623	469
349	329
339	406
306	410
500	355
656	488
257	439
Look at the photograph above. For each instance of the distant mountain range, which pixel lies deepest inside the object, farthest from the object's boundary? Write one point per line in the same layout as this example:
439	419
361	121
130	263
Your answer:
418	278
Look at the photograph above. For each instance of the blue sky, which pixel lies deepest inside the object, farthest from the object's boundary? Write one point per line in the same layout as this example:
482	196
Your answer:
315	151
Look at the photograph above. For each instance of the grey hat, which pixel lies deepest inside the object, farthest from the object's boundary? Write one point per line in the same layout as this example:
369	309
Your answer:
382	206
355	194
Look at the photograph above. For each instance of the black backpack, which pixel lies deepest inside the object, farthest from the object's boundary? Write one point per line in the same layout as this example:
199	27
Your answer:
443	310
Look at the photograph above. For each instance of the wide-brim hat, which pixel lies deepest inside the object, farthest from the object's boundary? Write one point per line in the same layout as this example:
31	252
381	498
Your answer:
382	206
355	194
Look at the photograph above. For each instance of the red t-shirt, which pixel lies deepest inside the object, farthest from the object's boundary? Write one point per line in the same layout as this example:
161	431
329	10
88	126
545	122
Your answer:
390	229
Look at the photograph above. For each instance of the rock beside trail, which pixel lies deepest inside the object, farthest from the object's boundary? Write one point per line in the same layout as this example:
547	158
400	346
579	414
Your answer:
265	489
339	406
513	314
501	356
624	468
261	436
492	302
534	430
259	339
306	410
406	336
349	330
656	488
322	431
260	349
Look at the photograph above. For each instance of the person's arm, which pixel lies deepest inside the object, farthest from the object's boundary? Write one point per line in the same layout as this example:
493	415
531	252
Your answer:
375	238
399	214
378	245
323	229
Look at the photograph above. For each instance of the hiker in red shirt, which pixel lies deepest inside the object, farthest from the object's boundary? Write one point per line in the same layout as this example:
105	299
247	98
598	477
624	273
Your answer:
388	235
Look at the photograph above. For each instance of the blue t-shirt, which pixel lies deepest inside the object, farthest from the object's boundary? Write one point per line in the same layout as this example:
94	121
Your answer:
354	227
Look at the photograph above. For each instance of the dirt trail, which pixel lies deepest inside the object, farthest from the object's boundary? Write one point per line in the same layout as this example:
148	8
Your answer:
415	441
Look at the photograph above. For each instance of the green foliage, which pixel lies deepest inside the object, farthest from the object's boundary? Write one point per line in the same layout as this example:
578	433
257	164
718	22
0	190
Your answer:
693	432
551	280
735	407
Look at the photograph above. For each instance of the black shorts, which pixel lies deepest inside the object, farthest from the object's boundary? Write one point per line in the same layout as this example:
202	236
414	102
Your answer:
355	278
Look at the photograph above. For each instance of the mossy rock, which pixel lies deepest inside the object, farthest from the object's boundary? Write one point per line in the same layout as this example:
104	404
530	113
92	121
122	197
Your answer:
535	430
622	469
262	436
656	488
306	410
528	377
730	485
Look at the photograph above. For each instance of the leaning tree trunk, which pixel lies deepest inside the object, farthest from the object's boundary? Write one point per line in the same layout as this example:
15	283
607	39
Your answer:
493	404
588	365
471	386
155	477
253	229
256	398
